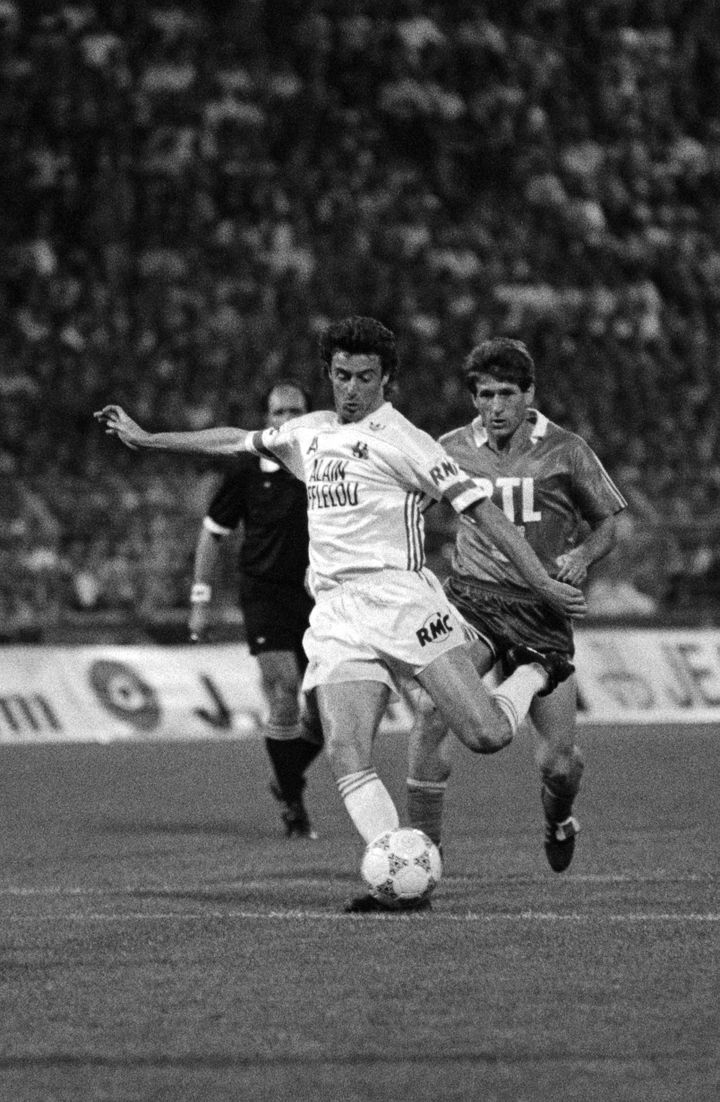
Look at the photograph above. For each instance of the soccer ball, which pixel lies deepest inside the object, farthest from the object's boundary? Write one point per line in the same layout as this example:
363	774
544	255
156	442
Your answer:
401	866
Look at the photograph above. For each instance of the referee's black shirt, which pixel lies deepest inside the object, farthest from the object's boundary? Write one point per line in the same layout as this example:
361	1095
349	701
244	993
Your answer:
273	508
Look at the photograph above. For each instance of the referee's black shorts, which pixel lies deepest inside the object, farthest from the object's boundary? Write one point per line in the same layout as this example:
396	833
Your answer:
276	616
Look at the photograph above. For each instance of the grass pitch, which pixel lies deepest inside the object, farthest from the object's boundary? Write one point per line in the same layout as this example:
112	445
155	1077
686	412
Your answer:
162	940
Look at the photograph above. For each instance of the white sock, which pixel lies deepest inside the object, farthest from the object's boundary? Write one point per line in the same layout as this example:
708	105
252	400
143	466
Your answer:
368	803
516	693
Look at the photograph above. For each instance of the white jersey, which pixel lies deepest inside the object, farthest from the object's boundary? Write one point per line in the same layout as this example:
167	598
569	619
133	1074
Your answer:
368	484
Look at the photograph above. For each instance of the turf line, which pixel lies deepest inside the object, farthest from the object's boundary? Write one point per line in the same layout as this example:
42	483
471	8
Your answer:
636	918
313	882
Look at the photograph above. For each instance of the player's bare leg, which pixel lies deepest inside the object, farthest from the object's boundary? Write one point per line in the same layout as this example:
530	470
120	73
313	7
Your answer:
429	755
286	739
561	767
350	712
428	768
484	721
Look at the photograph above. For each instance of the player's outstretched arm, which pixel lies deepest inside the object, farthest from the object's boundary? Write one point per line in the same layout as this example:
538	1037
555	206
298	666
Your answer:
565	598
205	442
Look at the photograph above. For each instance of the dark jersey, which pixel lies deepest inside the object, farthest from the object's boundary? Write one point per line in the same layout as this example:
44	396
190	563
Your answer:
548	482
272	505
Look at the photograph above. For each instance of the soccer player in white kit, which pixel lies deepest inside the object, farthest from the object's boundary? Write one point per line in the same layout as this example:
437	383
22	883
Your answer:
381	618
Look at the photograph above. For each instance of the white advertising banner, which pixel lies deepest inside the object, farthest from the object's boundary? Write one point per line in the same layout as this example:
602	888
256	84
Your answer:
648	676
101	693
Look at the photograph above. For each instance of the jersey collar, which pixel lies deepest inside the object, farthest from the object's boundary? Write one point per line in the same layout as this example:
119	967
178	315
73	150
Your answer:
377	416
536	421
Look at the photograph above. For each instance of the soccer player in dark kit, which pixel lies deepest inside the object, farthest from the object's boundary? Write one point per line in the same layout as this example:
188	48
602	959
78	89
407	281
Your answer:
554	489
271	505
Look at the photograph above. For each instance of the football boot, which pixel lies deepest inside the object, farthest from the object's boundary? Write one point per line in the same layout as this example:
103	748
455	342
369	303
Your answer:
557	666
368	904
295	817
560	842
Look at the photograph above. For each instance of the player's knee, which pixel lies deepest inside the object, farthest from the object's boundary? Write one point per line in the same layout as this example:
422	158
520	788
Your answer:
487	738
345	755
496	739
283	703
563	774
336	750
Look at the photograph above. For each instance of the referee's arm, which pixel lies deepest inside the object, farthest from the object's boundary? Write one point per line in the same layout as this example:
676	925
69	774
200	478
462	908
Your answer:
207	552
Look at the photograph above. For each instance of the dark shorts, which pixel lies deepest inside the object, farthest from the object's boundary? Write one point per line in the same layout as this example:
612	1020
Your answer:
504	617
276	617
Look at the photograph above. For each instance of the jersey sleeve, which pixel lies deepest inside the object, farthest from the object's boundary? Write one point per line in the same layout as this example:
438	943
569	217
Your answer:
282	445
437	474
597	495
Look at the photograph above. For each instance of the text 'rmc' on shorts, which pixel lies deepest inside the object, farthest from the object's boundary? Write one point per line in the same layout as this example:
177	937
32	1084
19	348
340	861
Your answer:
386	627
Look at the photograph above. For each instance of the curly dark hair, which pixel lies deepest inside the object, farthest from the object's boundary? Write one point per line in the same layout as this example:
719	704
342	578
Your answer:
360	336
502	357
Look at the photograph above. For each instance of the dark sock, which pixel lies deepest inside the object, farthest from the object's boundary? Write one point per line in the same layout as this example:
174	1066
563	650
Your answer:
560	789
290	758
425	804
557	808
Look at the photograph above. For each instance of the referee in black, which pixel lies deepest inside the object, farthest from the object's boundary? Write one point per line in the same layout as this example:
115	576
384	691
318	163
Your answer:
272	506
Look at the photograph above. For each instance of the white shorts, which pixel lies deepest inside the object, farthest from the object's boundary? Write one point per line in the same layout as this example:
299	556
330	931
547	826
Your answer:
387	627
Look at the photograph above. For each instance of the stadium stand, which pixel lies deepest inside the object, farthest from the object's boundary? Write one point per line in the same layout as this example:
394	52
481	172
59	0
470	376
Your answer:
189	190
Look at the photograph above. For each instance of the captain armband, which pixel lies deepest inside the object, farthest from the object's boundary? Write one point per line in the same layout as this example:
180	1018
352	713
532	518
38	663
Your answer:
256	442
201	593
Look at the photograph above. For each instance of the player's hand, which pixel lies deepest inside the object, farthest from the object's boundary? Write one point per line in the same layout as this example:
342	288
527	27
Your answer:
566	599
117	423
199	623
571	568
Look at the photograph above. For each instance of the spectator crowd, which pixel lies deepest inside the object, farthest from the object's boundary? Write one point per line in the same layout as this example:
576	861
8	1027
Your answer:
189	190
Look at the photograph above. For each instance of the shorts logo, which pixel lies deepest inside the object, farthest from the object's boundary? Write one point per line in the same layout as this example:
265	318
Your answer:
435	627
